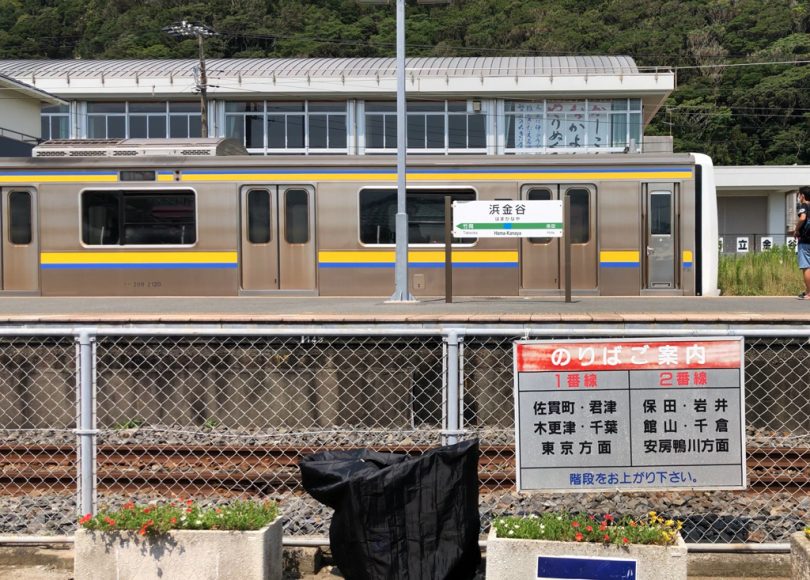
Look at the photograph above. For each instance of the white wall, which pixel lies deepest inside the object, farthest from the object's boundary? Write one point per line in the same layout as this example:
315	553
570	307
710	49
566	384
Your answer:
20	113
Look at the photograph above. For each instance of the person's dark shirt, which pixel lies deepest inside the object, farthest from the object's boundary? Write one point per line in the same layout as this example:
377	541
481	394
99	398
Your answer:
804	210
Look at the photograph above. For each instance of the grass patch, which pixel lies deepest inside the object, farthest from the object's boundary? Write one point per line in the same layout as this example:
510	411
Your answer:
773	272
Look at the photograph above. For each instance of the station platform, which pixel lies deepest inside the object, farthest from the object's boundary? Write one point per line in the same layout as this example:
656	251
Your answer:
789	311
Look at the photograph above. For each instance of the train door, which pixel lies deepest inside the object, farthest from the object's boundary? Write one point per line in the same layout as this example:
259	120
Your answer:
278	238
660	231
542	259
20	246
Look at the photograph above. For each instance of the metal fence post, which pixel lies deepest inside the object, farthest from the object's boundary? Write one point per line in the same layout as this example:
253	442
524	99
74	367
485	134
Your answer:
86	424
453	422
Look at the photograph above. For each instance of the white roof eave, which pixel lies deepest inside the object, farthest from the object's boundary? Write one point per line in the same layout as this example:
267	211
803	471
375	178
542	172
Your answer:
522	86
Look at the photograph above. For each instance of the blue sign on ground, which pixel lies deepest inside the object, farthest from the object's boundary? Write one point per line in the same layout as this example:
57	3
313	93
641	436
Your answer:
573	568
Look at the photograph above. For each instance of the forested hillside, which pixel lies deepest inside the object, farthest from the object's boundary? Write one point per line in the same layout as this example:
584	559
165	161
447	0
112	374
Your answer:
748	113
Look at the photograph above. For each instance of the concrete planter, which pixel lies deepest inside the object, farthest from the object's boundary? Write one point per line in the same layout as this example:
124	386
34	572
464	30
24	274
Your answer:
799	557
180	555
509	559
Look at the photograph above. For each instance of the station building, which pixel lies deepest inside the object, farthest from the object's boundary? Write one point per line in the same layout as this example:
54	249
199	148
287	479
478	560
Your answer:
347	106
20	115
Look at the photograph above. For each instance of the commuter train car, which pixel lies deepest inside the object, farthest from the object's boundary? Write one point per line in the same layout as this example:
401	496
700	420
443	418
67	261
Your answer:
168	218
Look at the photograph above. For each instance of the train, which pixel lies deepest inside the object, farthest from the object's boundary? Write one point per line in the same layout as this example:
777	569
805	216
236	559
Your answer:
203	218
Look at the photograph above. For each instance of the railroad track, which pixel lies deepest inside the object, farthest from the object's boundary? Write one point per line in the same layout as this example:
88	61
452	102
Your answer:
229	470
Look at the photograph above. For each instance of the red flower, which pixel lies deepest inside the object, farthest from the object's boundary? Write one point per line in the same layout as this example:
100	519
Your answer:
632	523
85	518
588	528
109	521
129	506
578	537
575	524
608	518
189	501
625	541
173	521
602	527
146	510
607	538
189	510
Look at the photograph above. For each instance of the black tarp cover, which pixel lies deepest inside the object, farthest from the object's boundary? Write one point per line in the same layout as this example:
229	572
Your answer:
398	517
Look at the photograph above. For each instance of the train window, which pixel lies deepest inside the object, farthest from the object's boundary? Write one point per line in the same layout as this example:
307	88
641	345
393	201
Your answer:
539	195
258	216
296	216
19	204
580	215
138	218
660	213
425	209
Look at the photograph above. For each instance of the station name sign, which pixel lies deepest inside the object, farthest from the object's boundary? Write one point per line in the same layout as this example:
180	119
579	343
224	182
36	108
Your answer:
508	218
634	414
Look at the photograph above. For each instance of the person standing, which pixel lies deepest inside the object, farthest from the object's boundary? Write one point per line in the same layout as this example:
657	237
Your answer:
802	235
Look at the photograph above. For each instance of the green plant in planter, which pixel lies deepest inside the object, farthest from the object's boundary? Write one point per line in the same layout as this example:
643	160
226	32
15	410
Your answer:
159	518
652	529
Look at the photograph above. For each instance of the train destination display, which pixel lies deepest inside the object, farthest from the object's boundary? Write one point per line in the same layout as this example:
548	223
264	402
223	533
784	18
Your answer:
633	414
508	218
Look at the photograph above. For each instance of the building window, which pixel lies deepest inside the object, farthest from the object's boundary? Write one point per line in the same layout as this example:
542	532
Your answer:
19	221
433	127
572	125
106	120
138	218
425	208
185	120
143	120
55	122
147	120
288	127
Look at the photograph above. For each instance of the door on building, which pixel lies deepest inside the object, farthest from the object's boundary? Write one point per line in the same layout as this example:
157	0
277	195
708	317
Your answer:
542	259
277	238
661	243
20	247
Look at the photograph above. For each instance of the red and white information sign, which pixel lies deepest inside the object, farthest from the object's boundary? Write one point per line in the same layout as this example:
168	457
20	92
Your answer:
630	414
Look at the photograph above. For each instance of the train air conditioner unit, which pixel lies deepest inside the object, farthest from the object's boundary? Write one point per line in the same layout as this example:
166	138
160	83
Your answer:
198	147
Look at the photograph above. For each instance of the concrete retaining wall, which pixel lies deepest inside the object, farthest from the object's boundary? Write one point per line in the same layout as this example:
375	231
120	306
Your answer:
180	555
517	559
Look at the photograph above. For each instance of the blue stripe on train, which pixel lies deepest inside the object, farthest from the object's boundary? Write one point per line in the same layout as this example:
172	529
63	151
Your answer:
161	266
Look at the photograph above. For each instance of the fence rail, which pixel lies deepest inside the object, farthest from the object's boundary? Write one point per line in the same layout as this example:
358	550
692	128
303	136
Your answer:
100	416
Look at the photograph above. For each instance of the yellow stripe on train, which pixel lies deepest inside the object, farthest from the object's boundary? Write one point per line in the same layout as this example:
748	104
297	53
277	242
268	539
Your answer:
389	256
608	256
138	257
392	177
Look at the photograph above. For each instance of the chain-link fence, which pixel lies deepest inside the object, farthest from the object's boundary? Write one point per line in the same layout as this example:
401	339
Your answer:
230	414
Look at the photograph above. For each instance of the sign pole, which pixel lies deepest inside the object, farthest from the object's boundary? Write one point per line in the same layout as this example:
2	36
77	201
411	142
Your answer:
448	249
567	244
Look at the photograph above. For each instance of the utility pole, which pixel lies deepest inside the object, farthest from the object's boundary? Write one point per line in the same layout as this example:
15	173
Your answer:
401	290
199	31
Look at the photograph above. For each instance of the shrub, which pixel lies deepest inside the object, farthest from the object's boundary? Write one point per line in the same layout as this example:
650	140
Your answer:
159	518
605	529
